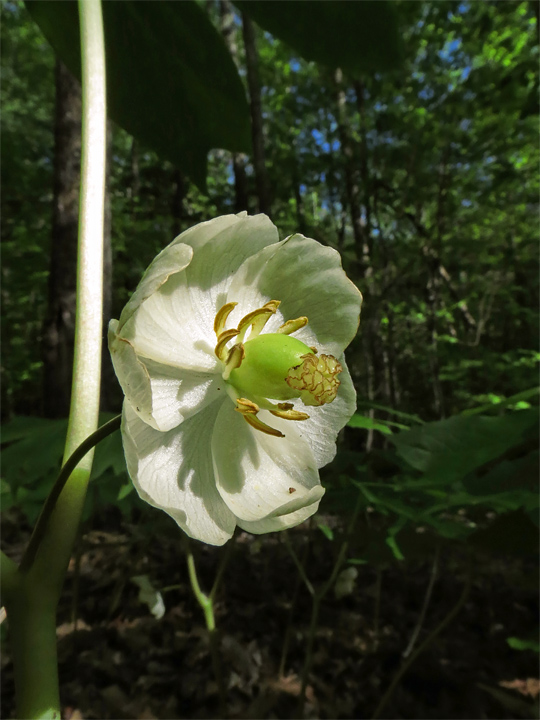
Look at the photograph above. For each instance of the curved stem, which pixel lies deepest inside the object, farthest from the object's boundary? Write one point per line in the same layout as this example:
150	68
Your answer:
96	437
207	604
433	634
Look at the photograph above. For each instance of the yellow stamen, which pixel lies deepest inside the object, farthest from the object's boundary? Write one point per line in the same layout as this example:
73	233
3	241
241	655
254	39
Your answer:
221	317
246	406
254	421
292	326
224	337
257	319
249	412
290	414
234	359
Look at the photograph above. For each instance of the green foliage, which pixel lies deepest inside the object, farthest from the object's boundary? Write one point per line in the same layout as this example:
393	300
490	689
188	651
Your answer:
356	36
170	80
446	451
31	456
524	643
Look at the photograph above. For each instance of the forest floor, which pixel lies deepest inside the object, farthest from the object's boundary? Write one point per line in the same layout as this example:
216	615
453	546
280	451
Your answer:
120	662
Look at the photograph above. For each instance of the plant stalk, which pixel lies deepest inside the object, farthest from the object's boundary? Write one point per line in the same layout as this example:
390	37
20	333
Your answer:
32	600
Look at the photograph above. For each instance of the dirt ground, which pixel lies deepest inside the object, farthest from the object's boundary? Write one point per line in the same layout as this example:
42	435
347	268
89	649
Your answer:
118	661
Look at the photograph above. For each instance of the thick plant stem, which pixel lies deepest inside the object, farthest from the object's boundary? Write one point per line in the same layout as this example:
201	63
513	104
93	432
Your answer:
31	603
32	632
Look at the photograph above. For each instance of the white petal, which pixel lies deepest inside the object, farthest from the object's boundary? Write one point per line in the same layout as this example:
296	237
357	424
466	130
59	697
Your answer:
174	325
324	423
309	280
280	522
173	471
258	474
162	396
171	260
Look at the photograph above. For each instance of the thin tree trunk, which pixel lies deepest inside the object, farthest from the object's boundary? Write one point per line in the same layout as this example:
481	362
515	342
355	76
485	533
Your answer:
364	171
229	31
352	178
254	85
177	202
58	330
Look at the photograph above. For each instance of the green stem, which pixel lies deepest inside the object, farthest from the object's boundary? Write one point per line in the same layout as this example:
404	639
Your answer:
433	634
32	635
207	604
31	604
84	448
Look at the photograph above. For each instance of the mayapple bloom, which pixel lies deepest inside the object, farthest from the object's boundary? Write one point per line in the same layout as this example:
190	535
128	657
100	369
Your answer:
230	356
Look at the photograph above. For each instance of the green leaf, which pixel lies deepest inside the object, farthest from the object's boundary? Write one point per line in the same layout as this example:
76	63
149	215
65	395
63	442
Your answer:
522	644
171	81
360	421
398	413
507	475
358	37
392	544
326	531
514	399
447	450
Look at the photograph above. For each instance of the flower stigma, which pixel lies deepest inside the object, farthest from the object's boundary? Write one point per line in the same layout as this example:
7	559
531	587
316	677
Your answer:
259	367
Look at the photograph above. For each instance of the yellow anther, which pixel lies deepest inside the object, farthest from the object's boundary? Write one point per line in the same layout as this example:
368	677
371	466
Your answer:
223	338
290	414
249	412
257	319
246	406
254	421
234	359
292	325
221	317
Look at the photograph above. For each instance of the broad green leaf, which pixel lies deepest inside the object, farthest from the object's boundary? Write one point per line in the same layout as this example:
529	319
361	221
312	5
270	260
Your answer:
171	81
507	475
358	37
447	450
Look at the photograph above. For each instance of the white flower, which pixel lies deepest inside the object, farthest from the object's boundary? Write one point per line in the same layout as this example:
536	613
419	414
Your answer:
228	411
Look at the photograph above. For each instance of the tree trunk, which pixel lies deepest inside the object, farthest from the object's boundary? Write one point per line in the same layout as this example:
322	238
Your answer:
177	202
252	61
352	178
59	327
110	398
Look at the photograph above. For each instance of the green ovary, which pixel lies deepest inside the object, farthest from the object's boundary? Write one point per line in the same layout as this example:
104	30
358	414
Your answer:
265	367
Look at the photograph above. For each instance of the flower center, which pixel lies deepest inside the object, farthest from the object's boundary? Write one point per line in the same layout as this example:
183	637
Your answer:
272	366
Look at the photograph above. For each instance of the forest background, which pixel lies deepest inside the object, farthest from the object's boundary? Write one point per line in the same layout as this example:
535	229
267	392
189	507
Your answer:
425	178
